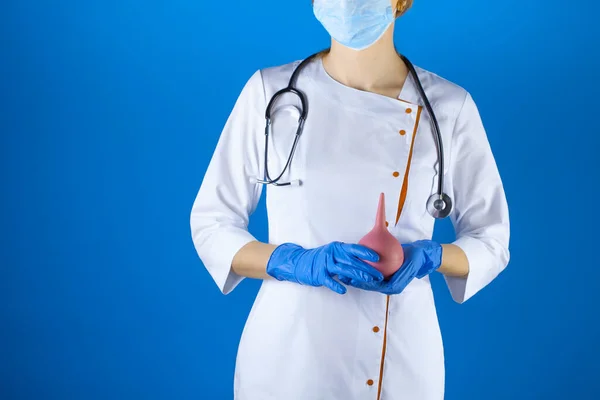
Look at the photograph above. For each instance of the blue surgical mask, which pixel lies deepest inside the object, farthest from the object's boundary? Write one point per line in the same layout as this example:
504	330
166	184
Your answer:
356	24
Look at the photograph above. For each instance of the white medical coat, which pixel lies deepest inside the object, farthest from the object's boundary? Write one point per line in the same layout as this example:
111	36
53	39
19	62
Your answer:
309	343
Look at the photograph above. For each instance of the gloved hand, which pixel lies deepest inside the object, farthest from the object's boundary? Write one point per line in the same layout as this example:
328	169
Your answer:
420	259
317	267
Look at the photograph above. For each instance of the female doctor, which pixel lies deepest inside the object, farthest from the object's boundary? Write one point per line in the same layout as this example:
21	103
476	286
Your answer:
325	325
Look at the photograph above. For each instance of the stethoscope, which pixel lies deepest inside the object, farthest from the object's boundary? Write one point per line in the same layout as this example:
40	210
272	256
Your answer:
439	205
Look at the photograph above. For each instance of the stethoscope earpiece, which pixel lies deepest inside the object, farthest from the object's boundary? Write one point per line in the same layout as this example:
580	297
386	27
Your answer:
439	206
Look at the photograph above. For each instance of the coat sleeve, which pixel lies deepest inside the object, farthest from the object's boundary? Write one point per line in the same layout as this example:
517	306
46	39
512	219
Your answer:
480	215
226	199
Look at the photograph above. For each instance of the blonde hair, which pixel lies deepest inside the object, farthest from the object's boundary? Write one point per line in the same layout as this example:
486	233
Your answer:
401	8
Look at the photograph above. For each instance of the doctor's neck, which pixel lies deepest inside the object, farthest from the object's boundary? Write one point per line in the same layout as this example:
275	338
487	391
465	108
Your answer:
377	69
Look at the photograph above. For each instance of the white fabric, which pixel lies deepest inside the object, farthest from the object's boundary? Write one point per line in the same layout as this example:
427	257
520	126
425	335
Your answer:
306	343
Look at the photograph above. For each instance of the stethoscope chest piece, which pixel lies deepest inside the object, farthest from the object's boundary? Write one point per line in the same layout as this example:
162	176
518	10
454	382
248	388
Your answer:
439	206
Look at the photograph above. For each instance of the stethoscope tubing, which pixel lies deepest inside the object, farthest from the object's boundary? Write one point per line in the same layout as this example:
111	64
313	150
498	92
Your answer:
439	204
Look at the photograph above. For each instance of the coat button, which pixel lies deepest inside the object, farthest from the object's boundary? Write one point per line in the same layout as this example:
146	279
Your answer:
387	224
403	132
396	174
370	382
408	110
375	329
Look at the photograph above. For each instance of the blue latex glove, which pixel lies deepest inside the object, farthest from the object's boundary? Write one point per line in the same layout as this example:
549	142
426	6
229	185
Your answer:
420	259
317	267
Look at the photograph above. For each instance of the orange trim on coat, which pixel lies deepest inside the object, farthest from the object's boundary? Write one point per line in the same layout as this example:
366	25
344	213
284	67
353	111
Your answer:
404	190
379	385
400	207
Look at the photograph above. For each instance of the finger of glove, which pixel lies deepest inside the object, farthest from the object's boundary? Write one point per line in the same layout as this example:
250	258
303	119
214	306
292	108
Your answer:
406	272
360	266
349	271
330	283
370	286
389	287
399	287
410	266
360	251
399	282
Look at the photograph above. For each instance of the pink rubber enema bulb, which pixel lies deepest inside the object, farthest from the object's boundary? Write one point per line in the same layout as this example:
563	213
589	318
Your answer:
391	254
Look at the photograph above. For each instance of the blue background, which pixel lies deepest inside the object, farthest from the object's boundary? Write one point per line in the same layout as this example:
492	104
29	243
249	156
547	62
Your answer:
109	115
